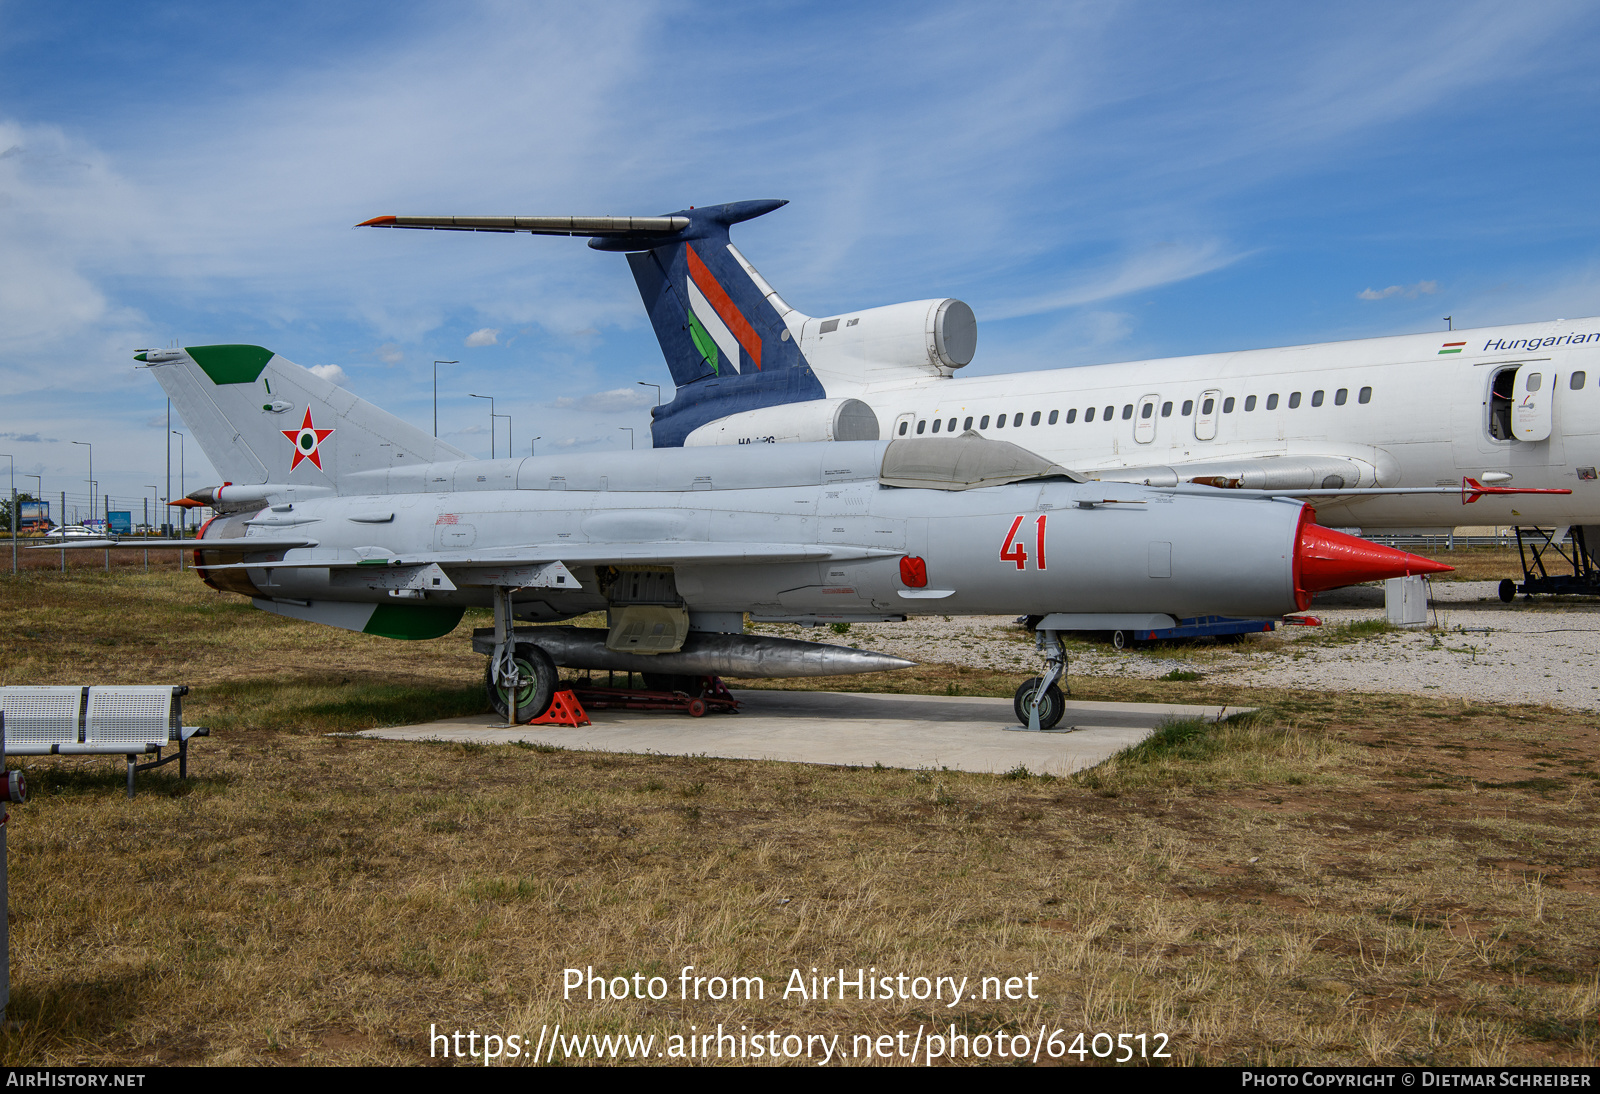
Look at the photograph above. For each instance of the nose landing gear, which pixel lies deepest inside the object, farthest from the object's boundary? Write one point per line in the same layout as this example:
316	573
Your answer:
1039	703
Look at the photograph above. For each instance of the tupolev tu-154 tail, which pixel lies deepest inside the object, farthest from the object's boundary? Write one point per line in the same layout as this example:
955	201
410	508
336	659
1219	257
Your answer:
262	419
735	348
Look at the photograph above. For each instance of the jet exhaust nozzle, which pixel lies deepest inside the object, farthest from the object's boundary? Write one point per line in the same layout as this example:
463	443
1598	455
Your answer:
703	654
1325	559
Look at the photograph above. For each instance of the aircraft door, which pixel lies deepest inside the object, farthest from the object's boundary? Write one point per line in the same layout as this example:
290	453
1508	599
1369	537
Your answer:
1531	400
1205	415
1144	422
903	426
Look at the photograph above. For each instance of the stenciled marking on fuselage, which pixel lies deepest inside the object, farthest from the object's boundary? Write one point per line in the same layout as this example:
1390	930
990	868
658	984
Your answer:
1012	550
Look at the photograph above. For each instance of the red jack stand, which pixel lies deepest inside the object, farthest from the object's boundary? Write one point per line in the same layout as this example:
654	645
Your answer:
565	710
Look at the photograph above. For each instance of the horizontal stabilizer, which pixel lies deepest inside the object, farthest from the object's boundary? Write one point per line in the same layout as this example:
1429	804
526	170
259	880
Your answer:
539	226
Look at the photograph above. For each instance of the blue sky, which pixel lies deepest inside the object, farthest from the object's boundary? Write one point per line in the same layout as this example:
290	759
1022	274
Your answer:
1101	182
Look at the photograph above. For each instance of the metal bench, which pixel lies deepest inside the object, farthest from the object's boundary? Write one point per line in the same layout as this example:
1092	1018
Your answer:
117	720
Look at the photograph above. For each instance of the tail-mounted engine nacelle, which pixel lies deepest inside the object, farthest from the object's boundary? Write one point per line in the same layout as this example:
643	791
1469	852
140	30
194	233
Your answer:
935	336
815	420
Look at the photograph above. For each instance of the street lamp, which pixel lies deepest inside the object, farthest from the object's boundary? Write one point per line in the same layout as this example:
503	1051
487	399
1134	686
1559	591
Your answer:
491	419
183	465
155	497
629	428
436	365
642	383
533	442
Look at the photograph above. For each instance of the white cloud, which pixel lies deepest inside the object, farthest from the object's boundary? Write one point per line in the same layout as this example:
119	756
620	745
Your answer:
390	354
332	373
1408	292
485	336
1161	265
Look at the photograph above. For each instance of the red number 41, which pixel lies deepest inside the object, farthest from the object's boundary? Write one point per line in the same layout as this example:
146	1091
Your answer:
1013	551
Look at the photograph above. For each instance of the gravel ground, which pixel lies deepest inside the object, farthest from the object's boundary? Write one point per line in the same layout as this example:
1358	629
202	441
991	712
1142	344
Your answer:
1541	651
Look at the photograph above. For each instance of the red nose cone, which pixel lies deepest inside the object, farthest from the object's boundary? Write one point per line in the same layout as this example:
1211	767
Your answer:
1325	559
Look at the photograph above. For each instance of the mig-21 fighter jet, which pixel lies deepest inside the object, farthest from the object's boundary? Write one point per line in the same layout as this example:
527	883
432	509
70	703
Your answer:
337	512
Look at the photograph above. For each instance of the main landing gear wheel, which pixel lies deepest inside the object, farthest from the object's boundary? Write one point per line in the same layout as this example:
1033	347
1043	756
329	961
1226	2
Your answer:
1052	704
1120	640
1508	591
536	684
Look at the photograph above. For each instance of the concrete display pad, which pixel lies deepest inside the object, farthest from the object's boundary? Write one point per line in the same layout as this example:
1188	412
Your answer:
846	728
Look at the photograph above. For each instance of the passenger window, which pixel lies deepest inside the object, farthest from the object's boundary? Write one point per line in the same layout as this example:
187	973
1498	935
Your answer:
1147	410
1035	419
1227	405
1316	398
937	422
1017	420
950	426
1365	396
1054	414
1108	412
1340	396
1272	401
1577	381
968	423
1088	415
999	421
1294	399
1188	407
1249	403
1127	411
1208	406
983	423
1535	381
903	426
1072	415
1166	409
921	426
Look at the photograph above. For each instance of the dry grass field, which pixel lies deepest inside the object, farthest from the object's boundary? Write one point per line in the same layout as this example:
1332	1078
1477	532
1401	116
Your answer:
1338	879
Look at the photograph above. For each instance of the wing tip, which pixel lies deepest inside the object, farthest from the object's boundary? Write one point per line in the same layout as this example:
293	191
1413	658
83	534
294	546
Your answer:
378	222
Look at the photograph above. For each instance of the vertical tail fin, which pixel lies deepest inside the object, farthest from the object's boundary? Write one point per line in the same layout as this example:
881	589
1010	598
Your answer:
730	341
260	418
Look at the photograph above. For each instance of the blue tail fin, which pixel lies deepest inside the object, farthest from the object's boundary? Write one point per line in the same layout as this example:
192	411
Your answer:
730	341
722	329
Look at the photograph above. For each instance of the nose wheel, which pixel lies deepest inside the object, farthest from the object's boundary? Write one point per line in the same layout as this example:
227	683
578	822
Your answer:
1039	705
1039	702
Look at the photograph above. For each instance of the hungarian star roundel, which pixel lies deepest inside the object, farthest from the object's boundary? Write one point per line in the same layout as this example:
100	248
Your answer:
306	440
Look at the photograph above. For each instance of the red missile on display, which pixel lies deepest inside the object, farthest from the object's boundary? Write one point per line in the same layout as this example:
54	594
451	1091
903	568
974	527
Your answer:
1325	559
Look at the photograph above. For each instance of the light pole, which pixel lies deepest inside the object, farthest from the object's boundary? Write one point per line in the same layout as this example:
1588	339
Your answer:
168	522
436	365
533	442
155	496
491	419
183	464
629	428
90	447
642	383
